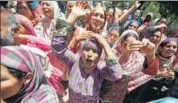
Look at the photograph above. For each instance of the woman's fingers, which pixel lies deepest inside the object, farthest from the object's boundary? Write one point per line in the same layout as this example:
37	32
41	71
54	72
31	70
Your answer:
134	46
145	42
82	37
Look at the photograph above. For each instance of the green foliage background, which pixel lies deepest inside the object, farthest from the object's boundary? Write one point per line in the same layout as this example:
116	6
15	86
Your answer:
160	9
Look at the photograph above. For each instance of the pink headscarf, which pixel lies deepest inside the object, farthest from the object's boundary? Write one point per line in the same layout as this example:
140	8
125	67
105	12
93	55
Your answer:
33	40
27	23
39	89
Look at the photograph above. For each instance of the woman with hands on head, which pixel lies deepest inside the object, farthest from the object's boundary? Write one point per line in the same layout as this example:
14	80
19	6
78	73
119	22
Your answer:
85	78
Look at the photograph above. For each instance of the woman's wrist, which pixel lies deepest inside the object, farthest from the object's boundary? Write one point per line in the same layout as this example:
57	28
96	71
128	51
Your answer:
150	58
72	18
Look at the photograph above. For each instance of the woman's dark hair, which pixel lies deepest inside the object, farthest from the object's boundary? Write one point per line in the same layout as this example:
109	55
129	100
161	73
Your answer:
130	23
129	35
166	41
17	73
147	18
114	10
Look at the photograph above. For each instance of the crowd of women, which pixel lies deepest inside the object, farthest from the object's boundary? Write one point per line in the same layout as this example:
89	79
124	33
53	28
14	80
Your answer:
82	52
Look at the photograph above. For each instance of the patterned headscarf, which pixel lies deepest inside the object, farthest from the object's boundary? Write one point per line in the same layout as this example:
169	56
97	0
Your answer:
167	40
165	62
125	33
24	21
93	44
38	90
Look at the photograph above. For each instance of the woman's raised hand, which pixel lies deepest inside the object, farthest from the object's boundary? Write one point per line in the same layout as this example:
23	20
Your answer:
79	9
134	46
148	47
98	37
82	35
137	4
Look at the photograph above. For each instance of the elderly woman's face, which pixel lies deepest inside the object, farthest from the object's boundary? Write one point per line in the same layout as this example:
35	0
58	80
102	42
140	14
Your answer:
110	16
133	26
23	9
10	85
70	5
156	37
4	27
97	19
169	49
6	32
137	13
48	9
114	35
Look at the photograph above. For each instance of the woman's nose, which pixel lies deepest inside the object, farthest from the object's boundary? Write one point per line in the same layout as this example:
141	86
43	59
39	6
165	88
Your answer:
90	53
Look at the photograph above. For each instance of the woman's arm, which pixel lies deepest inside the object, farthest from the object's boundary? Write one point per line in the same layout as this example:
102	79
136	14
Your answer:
152	64
141	28
126	14
60	41
41	43
79	35
64	30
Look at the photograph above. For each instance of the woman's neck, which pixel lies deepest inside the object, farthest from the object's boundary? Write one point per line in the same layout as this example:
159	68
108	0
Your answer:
124	57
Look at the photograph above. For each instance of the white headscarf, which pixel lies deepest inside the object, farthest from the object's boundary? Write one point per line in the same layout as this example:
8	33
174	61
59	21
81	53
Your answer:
126	32
57	11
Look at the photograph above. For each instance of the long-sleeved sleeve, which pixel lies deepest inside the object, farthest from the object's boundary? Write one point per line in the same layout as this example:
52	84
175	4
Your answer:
152	69
41	43
175	65
60	42
112	71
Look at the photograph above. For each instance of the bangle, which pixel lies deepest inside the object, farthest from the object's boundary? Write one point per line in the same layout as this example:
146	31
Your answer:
111	60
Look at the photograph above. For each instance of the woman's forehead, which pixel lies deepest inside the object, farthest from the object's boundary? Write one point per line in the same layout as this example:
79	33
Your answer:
71	3
114	32
47	2
171	43
99	11
134	23
110	10
130	38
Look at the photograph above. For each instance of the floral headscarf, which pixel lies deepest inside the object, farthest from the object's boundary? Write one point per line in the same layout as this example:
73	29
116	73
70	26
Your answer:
38	90
26	23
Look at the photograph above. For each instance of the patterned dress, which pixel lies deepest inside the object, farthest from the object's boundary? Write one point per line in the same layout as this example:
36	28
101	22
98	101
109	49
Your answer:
82	88
114	92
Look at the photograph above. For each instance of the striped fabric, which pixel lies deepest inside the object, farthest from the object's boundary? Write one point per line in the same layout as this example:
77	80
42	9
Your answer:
38	91
83	88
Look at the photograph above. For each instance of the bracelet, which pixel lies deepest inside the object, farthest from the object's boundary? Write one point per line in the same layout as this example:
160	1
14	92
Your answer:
111	60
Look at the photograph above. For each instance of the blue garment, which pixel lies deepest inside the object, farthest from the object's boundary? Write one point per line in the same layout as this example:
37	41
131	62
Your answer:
34	4
131	17
166	100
